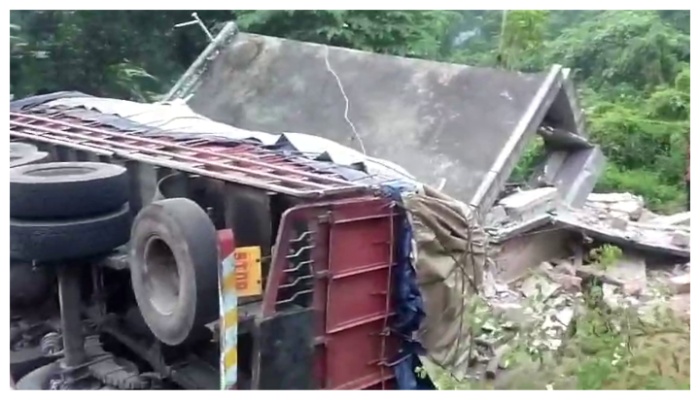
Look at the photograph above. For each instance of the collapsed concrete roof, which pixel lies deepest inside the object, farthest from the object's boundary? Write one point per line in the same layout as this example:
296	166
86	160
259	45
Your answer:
460	125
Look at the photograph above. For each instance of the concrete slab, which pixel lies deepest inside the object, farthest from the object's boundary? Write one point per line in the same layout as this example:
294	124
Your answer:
529	201
578	175
463	124
636	236
630	268
515	256
675	219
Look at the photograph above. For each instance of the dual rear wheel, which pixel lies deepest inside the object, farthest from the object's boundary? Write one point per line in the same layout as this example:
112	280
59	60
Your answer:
68	211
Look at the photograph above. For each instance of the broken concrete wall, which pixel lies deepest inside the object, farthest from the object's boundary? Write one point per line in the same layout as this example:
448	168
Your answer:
463	124
565	112
514	257
579	174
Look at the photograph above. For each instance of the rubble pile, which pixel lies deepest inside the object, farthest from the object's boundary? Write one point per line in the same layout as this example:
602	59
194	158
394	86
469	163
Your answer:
649	268
620	223
544	304
545	300
618	218
618	205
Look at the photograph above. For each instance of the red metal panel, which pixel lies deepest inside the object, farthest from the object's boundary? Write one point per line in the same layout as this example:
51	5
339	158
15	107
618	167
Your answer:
353	256
358	306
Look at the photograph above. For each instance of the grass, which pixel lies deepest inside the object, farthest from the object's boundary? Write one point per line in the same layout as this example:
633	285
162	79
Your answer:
605	350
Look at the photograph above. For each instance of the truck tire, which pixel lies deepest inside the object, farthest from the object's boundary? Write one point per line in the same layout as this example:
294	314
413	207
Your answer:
24	361
58	240
67	189
174	263
39	378
19	149
34	158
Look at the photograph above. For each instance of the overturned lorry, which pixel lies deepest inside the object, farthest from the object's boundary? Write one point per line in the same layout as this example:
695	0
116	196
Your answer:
180	245
246	267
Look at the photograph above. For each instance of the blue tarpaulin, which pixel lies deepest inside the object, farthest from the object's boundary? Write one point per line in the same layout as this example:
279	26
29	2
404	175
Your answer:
407	302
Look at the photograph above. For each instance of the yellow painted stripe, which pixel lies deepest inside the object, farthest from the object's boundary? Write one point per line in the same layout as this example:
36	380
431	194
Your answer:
230	282
231	358
231	318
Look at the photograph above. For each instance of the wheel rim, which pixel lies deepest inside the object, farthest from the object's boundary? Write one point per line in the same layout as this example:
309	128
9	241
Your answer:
60	171
161	276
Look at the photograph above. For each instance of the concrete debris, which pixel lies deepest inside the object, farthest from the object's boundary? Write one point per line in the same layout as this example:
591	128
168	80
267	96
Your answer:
527	204
648	216
593	272
569	283
623	203
540	254
577	177
511	312
564	266
496	216
538	287
675	219
515	256
680	284
680	305
651	238
634	288
618	218
613	297
630	268
618	222
680	239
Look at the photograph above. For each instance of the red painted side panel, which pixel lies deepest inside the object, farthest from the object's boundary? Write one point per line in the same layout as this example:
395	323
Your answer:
352	258
358	305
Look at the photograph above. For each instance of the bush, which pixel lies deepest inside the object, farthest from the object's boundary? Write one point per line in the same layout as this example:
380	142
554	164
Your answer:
659	196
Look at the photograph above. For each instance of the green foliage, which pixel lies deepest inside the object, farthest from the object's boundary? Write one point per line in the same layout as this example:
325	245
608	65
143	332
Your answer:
403	33
633	71
132	81
648	184
635	47
605	256
533	155
645	140
87	51
523	33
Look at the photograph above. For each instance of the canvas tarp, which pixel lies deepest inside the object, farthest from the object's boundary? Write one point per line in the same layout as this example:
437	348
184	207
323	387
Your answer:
451	256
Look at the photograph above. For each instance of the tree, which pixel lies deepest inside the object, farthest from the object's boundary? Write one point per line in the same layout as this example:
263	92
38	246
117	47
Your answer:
522	36
633	47
105	53
403	33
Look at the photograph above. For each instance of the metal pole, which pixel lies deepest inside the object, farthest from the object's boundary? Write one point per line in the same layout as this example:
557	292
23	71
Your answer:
183	82
69	297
